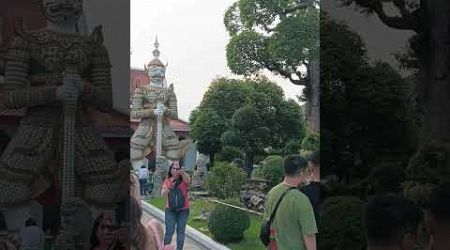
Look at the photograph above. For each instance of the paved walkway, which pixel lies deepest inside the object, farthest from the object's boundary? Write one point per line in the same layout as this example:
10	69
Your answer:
188	244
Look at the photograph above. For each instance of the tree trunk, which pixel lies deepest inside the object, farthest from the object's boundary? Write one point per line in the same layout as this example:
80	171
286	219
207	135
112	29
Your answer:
436	94
434	91
211	162
249	163
313	102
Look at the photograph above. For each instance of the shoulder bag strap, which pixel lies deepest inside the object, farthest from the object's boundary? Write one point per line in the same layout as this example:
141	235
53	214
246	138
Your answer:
272	216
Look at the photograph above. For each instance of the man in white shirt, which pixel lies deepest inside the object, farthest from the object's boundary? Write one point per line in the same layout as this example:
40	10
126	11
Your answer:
31	237
143	179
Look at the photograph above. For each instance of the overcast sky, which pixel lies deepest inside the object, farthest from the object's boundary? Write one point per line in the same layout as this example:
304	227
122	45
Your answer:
381	41
192	40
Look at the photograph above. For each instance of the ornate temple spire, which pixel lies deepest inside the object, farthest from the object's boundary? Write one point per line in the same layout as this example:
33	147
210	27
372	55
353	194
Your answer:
156	61
156	52
156	69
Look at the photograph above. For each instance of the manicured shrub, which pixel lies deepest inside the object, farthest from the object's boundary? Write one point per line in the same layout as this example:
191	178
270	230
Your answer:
225	180
430	165
311	142
273	170
387	178
229	153
228	224
341	224
292	147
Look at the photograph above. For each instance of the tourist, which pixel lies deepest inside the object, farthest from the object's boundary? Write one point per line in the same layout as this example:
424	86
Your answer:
294	226
143	179
153	229
104	234
437	217
177	182
31	237
313	189
135	187
391	222
148	237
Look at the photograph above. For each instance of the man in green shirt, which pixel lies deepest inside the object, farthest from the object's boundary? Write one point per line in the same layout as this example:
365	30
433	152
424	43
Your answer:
294	223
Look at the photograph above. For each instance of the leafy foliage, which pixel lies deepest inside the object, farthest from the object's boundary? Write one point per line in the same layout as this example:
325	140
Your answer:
424	56
278	120
207	127
344	231
229	153
248	133
279	36
430	165
292	147
387	178
311	142
225	180
228	224
276	35
273	171
365	113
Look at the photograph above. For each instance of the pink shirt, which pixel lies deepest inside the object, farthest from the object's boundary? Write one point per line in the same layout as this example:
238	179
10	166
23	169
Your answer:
184	190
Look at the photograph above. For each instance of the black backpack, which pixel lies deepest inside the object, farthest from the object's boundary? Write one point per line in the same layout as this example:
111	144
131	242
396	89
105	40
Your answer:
176	197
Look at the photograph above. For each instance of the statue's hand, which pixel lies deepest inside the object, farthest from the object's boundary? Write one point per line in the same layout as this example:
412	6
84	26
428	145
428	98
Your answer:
158	112
71	88
161	107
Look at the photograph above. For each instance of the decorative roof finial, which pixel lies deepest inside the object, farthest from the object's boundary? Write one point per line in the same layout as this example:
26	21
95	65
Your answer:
156	52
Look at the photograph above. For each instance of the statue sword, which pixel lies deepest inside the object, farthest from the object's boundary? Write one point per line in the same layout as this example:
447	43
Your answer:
159	133
70	110
70	101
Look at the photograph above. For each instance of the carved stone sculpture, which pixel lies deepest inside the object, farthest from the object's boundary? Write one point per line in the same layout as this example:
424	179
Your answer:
198	180
153	105
149	102
44	69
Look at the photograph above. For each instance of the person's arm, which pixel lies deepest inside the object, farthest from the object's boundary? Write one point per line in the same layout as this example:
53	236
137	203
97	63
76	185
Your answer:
186	178
135	187
307	222
42	235
310	241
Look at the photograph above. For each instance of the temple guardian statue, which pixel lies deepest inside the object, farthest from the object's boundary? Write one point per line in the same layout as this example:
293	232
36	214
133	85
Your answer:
56	73
153	105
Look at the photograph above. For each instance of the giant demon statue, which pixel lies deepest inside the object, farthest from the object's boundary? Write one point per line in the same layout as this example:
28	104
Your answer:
45	70
149	102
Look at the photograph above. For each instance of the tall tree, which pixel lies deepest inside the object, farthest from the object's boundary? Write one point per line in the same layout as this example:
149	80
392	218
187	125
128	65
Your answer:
207	127
430	52
366	116
225	96
248	133
279	36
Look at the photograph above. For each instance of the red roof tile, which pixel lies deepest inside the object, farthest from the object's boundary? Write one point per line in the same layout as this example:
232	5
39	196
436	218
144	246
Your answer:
138	76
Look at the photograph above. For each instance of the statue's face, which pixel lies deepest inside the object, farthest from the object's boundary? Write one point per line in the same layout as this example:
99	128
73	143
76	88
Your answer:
157	74
58	11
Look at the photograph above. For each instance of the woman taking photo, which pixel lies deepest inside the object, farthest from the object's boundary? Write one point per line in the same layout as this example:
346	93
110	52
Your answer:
175	192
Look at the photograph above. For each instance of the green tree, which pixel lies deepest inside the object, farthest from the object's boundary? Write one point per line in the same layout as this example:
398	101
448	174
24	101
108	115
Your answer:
311	142
225	180
213	117
207	127
429	53
280	36
365	113
273	170
248	133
